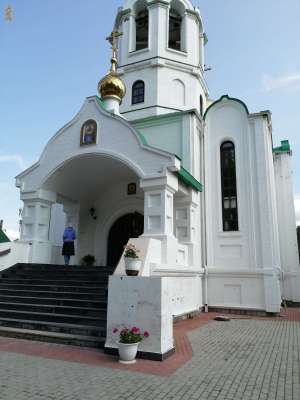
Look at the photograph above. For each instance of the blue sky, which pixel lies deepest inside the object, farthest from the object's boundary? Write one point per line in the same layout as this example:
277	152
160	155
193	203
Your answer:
54	52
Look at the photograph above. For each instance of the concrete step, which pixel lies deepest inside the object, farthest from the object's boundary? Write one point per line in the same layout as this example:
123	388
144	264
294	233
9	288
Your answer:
53	337
101	295
54	309
51	317
54	301
54	287
59	282
62	268
73	329
56	274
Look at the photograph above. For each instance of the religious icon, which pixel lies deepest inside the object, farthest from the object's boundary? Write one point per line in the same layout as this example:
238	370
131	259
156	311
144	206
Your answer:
131	188
88	133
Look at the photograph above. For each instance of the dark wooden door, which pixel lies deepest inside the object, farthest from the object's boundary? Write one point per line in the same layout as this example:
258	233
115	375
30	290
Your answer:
126	227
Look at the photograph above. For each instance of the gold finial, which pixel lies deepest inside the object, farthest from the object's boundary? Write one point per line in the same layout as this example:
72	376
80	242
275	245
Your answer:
112	85
113	41
8	14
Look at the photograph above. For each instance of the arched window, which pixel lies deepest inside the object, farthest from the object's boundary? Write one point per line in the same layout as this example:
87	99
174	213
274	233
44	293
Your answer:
229	193
175	22
138	92
142	29
201	105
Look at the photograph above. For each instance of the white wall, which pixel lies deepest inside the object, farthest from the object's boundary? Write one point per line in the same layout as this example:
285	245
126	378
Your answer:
286	224
111	203
255	245
20	253
150	303
165	71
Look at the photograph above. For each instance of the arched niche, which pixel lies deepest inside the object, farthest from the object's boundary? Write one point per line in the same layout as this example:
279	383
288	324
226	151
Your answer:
178	93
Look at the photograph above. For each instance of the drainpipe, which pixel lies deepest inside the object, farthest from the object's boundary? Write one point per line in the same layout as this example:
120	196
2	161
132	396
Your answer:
205	288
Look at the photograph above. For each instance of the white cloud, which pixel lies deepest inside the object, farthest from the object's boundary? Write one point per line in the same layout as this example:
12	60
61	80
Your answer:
13	158
297	209
291	81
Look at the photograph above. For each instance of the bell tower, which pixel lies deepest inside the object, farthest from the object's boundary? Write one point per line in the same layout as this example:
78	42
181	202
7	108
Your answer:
161	57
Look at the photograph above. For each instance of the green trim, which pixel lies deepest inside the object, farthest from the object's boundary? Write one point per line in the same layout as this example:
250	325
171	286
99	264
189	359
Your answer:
155	105
284	148
3	237
101	103
188	179
227	98
159	120
169	117
142	138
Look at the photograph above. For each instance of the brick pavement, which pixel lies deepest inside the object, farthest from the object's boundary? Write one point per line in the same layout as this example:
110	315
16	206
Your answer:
246	358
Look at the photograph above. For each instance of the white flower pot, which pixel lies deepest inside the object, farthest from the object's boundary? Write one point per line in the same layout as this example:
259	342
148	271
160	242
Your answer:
132	266
127	352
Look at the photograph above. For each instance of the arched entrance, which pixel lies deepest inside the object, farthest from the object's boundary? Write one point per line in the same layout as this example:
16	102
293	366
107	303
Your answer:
126	227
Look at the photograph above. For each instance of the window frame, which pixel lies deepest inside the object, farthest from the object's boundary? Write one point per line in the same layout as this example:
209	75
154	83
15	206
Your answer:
138	98
230	213
177	17
139	18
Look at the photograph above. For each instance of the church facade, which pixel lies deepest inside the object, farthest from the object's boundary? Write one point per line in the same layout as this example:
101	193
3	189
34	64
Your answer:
195	184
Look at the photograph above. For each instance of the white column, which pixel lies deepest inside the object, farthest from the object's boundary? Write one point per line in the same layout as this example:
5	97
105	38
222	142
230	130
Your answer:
158	27
158	209
159	214
36	224
187	216
131	33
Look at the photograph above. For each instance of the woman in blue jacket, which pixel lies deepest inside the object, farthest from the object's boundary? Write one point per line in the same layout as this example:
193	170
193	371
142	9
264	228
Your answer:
68	249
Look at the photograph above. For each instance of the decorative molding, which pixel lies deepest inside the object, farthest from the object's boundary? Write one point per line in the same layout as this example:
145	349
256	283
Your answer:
226	98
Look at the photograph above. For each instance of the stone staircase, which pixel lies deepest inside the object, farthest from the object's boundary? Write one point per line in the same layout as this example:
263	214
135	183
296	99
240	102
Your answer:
54	303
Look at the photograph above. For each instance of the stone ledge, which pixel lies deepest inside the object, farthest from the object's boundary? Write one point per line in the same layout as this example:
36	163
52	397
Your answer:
241	311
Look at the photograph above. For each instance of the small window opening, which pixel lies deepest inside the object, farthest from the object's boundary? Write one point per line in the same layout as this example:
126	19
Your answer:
201	105
175	22
138	92
142	28
229	192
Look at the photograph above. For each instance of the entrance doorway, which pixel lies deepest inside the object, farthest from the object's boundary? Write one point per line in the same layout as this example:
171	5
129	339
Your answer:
126	227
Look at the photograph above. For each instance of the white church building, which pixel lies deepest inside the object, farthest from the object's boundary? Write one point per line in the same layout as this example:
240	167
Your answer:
197	185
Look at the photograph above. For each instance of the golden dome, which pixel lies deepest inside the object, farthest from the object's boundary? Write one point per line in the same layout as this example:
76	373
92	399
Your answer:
112	85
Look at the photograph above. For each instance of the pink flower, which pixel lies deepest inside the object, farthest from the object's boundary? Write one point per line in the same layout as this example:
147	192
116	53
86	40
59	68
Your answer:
115	330
135	330
146	334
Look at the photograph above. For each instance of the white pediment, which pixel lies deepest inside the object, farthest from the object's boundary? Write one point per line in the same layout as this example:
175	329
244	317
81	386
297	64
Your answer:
116	139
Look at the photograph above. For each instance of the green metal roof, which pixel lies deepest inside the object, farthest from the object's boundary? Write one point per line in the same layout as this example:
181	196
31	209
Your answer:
284	148
3	237
188	179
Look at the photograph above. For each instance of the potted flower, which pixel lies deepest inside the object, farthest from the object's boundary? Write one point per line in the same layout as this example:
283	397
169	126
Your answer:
129	339
88	260
132	261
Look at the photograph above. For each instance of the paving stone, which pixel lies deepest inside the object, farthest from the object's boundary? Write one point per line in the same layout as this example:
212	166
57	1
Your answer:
247	359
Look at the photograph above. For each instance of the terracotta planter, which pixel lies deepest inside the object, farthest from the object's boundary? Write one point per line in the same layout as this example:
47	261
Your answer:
132	266
127	352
